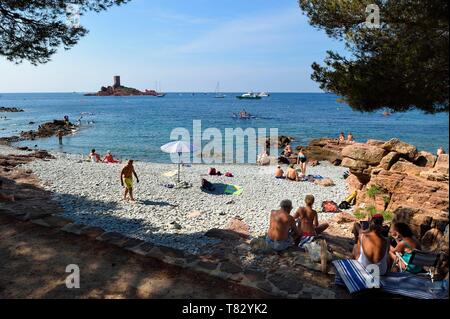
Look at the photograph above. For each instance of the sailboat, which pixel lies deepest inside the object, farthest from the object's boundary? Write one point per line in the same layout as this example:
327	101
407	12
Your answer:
218	94
158	90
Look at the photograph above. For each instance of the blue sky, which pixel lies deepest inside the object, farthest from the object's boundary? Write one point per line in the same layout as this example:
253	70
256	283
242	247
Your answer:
260	45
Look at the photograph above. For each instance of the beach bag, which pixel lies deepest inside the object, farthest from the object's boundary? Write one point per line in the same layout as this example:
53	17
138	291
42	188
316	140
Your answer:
206	185
330	207
228	174
212	171
345	205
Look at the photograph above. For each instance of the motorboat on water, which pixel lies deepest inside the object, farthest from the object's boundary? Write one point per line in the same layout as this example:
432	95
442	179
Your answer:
249	96
264	94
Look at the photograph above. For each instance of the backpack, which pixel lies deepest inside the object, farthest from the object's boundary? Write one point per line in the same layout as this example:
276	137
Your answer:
330	207
345	205
212	171
206	185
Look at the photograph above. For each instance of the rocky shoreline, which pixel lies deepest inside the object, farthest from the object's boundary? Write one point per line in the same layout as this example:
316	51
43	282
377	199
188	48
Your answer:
10	110
49	129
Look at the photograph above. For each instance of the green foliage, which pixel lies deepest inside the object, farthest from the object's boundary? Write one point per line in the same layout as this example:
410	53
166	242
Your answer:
388	216
373	191
401	65
360	214
386	200
372	210
34	30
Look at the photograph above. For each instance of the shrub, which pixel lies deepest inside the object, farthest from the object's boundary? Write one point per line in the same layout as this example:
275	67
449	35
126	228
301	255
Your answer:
374	191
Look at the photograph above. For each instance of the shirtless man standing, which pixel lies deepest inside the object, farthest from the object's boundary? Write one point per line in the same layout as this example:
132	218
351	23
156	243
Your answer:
308	220
126	179
282	230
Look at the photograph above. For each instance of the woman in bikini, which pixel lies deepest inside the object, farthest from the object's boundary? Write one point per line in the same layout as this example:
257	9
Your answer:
406	243
372	248
302	161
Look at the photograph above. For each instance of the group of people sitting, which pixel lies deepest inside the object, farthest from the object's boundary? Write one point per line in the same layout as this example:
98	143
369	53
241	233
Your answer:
292	173
350	138
376	243
96	158
286	230
374	247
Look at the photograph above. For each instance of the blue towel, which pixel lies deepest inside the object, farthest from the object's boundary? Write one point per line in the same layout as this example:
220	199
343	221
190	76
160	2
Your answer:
305	240
353	275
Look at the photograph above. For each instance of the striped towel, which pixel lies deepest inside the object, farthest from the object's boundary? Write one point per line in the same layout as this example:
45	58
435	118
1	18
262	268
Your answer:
305	240
353	275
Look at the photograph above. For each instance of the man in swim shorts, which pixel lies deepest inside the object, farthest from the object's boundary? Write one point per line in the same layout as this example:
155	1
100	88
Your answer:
126	179
282	230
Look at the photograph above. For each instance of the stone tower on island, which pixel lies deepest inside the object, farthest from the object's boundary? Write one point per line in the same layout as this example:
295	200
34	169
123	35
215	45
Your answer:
117	82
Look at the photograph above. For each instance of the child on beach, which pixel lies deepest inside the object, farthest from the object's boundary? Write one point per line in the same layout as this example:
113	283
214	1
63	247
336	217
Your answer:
126	180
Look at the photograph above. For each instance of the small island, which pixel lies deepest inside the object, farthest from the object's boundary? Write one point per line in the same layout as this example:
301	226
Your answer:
117	89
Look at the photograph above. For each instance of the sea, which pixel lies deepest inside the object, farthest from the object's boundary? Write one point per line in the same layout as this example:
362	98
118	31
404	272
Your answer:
136	127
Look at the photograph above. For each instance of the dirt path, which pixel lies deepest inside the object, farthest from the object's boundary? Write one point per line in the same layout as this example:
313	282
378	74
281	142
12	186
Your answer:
33	261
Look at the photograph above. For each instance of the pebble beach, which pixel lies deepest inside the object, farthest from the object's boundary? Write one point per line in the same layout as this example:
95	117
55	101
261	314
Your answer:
91	194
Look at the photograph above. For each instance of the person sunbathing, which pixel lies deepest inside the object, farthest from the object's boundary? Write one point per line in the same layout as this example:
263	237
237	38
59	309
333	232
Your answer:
94	157
109	158
350	138
342	137
279	173
372	247
292	174
282	229
288	151
406	243
308	220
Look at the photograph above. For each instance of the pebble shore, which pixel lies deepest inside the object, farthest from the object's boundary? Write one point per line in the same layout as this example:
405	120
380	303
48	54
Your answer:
90	193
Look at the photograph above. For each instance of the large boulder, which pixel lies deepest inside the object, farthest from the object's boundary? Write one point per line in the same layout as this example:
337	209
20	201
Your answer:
372	155
442	164
425	159
389	160
395	145
325	149
403	166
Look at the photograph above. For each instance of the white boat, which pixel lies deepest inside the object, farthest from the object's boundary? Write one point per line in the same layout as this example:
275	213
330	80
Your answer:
263	94
249	96
218	94
158	90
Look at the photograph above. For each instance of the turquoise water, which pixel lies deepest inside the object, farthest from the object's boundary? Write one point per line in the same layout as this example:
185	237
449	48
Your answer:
136	127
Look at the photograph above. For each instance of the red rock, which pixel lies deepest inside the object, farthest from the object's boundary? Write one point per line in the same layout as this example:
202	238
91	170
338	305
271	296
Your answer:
371	155
238	226
442	164
389	160
425	159
403	166
395	145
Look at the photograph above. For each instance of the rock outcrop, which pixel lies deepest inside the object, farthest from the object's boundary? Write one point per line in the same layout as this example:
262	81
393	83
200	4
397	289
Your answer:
49	129
10	110
326	149
395	177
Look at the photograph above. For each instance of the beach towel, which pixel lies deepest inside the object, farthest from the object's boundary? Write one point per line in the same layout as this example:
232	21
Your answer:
233	190
351	274
170	173
305	240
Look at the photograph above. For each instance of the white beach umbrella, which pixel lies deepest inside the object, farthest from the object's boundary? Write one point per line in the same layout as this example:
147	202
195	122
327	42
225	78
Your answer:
179	148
